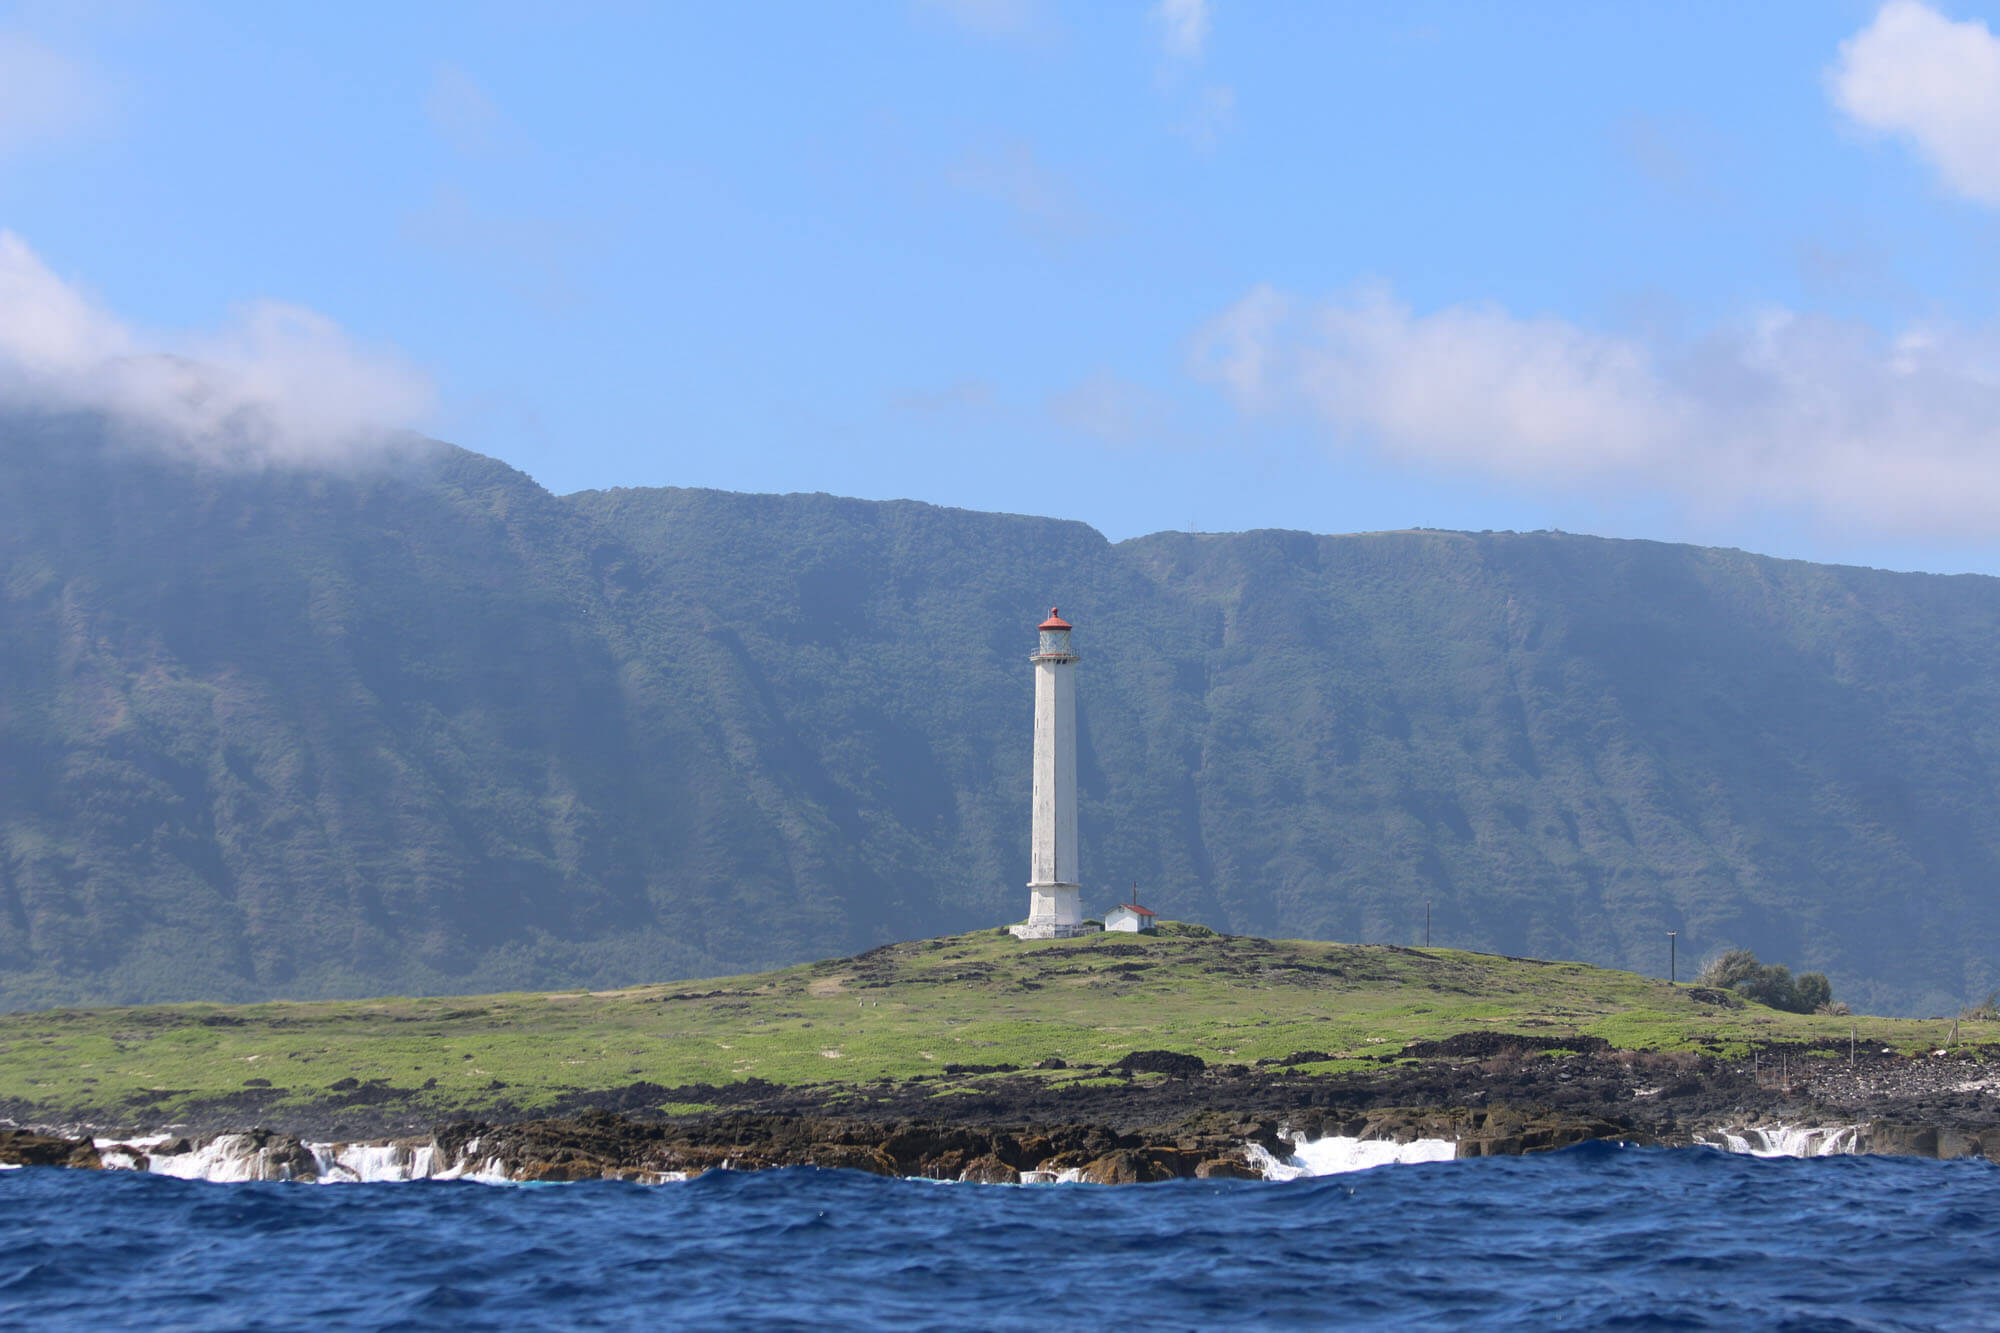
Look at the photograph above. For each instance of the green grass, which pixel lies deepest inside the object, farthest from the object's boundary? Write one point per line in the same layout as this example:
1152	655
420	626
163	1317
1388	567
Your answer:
905	1011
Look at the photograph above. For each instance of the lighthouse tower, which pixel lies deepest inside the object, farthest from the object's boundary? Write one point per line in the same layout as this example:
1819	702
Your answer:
1055	908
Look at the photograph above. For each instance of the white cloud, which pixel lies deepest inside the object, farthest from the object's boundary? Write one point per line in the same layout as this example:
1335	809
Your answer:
43	96
1898	435
279	383
1918	75
1183	27
1238	346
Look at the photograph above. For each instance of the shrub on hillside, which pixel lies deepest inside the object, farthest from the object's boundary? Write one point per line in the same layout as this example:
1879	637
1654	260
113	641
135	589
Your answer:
1728	969
1772	984
1814	992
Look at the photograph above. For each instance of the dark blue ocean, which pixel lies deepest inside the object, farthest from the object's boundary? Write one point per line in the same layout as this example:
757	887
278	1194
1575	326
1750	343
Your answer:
1594	1237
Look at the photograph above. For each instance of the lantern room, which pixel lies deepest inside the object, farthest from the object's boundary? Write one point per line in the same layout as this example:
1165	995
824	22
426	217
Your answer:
1055	639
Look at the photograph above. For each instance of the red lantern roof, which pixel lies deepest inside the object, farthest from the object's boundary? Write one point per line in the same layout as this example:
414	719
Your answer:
1054	621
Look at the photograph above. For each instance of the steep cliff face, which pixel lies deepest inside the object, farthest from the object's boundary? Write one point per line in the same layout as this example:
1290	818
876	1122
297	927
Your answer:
423	726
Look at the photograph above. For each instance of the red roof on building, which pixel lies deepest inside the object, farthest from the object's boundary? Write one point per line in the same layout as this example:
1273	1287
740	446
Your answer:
1054	621
1142	911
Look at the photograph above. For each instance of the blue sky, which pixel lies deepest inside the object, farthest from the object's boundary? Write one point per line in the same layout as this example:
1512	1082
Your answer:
1722	273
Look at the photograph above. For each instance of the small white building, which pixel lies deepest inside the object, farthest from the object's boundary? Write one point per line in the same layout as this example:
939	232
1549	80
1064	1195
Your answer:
1131	917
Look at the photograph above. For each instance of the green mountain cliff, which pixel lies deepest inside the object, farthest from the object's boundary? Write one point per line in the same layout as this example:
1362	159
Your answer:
422	726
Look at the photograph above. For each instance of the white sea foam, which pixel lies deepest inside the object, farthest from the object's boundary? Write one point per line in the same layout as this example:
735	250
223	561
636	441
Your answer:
239	1157
226	1157
1787	1140
404	1159
339	1163
1336	1154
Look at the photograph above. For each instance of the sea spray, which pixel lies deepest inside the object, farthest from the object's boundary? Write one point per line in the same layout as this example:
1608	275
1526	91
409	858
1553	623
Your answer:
1788	1140
243	1157
1336	1154
262	1157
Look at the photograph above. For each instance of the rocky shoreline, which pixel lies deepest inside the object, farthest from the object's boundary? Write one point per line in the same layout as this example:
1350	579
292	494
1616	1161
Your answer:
1155	1115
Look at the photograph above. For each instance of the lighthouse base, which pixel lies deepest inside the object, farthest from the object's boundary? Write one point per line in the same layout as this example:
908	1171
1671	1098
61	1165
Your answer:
1049	930
1055	912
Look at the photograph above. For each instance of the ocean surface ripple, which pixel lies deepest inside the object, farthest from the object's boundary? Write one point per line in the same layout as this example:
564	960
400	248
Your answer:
1593	1237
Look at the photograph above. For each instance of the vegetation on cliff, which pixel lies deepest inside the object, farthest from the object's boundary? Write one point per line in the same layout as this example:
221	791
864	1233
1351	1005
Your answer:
427	728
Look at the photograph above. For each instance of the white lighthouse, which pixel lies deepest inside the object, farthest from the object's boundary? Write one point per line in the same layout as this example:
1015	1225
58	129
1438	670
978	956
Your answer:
1055	909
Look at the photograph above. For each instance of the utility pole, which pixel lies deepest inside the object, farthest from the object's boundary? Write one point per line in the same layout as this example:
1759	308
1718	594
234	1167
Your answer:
1427	925
1673	958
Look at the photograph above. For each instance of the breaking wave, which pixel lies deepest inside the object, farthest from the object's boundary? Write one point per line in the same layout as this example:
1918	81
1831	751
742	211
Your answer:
246	1157
1336	1155
1789	1140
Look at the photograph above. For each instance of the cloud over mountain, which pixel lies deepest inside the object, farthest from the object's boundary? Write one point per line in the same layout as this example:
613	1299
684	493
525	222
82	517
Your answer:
1900	434
279	382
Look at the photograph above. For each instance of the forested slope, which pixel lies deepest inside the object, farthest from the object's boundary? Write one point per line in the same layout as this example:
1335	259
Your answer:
421	726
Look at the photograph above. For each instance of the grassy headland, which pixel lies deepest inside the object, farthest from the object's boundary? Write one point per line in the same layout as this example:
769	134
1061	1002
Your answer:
945	1011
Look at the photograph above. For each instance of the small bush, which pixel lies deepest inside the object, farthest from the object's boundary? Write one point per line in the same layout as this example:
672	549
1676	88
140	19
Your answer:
1814	992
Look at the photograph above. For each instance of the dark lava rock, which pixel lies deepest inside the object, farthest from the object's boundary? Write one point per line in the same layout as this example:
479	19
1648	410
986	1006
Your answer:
1162	1062
1710	995
1507	1136
989	1171
1906	1140
1486	1045
853	1157
1298	1058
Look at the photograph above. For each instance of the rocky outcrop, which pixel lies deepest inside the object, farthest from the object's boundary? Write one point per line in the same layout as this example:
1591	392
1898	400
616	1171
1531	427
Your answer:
20	1147
989	1170
1510	1135
1125	1166
1159	1115
1226	1168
